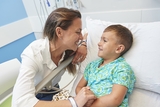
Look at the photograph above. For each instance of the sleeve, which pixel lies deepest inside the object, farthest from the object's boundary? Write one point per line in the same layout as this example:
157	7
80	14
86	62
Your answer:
24	89
124	76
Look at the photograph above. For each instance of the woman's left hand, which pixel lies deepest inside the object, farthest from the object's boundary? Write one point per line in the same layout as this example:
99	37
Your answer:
84	95
80	54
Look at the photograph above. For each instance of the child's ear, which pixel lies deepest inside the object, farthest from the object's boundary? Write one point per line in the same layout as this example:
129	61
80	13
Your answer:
59	32
120	48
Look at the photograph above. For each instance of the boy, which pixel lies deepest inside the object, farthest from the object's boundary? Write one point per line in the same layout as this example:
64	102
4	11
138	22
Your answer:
110	78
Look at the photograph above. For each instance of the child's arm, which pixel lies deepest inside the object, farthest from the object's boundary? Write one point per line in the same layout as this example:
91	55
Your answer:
111	100
82	83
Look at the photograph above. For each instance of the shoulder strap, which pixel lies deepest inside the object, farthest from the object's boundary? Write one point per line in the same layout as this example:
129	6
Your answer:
52	75
58	89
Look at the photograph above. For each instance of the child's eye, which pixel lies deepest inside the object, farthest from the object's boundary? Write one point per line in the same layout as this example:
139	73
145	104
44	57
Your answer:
105	40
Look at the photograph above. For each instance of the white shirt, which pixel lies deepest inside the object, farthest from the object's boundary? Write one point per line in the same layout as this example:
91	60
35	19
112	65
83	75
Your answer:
36	65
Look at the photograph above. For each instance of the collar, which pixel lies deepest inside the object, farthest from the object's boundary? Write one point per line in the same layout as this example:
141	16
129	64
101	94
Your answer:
47	55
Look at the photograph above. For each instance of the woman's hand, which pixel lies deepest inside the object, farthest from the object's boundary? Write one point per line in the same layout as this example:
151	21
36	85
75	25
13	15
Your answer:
89	102
80	55
81	51
84	95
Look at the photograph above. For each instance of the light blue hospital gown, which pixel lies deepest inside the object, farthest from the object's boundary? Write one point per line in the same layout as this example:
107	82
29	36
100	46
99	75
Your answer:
101	79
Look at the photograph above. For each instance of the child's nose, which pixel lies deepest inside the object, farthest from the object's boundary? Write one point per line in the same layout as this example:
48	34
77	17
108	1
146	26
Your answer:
99	43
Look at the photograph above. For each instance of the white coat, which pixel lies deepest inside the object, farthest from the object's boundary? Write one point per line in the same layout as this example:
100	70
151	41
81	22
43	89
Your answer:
36	65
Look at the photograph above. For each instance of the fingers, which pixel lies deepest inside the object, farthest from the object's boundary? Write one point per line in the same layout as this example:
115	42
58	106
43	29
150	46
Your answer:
83	96
78	59
80	55
81	58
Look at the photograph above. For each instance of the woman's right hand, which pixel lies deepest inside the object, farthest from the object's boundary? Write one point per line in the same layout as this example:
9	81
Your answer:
83	96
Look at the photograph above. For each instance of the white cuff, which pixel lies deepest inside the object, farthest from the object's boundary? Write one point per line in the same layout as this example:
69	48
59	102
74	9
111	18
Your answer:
73	103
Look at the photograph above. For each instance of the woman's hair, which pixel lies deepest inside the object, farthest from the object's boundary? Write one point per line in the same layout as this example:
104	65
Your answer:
61	17
124	35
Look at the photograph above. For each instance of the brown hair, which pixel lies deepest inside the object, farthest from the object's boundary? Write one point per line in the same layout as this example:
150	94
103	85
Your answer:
61	17
124	34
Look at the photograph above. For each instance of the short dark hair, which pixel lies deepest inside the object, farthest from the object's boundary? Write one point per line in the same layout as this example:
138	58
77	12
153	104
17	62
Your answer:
124	34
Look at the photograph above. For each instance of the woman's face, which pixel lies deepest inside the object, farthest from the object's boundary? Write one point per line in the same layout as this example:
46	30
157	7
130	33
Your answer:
72	35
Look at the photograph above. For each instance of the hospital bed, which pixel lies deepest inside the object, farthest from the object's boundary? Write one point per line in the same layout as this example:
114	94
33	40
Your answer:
144	58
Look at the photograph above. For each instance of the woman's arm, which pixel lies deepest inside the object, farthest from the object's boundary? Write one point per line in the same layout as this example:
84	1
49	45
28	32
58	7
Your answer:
81	98
81	51
114	99
62	103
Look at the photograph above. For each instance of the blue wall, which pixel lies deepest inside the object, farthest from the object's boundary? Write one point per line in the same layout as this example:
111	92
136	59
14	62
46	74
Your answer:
14	49
11	11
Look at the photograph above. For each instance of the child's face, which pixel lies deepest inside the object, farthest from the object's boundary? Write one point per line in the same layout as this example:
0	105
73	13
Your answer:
108	45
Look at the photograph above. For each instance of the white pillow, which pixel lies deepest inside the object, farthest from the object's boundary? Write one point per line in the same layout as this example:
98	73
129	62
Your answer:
144	55
143	98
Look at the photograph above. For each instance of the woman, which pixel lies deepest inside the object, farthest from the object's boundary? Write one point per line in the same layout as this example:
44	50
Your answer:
62	33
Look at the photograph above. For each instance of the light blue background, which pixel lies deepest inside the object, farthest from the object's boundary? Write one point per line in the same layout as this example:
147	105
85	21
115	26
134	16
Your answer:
11	11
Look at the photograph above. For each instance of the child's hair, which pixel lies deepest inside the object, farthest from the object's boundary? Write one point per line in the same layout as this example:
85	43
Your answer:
124	34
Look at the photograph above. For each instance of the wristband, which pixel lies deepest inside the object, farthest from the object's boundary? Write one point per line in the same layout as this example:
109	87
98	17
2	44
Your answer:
84	45
84	41
73	103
